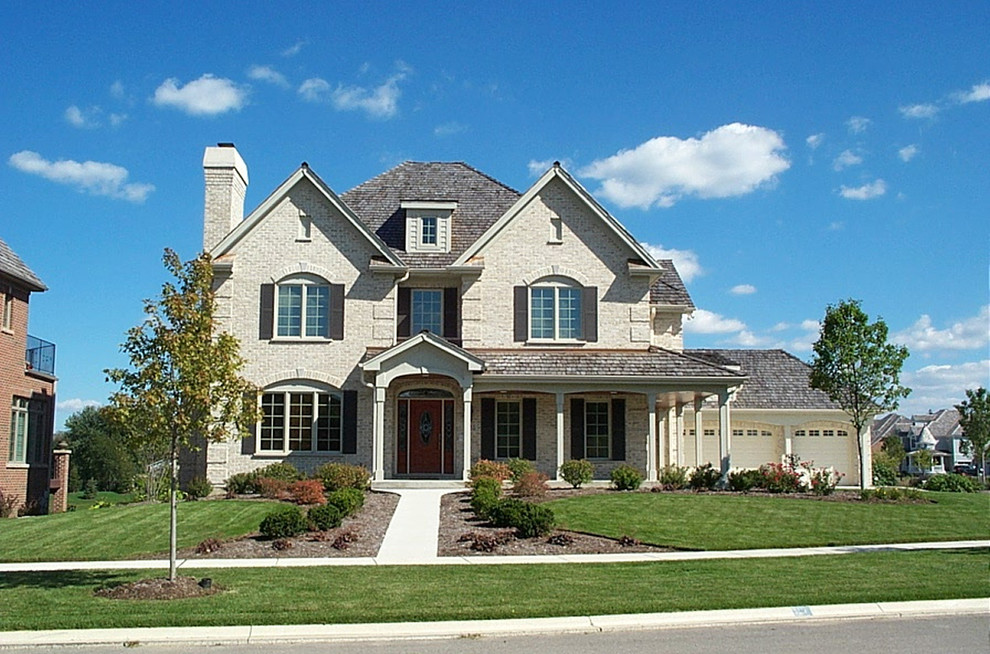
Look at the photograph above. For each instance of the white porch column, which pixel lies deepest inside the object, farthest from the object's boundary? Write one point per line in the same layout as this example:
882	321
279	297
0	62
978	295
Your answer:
661	435
866	463
724	433
651	437
672	436
699	431
466	472
679	431
788	441
560	433
378	434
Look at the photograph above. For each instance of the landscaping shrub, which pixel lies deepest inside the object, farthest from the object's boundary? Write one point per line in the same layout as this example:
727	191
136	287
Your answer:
824	480
529	520
343	475
344	540
283	471
884	474
271	488
243	483
493	469
347	500
485	494
282	544
626	477
486	541
705	478
284	522
198	487
324	517
307	491
743	481
89	490
8	505
531	484
952	483
208	546
673	477
519	467
577	471
779	478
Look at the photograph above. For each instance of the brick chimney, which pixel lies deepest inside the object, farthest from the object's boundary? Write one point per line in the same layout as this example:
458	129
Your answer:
226	178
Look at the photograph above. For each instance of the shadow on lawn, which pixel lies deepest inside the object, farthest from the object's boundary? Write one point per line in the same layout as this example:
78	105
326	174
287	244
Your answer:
87	579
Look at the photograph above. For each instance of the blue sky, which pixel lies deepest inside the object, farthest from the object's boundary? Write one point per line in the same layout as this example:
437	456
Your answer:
786	155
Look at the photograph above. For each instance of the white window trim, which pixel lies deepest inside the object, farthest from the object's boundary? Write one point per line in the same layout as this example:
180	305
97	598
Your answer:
7	323
20	416
412	312
416	212
304	281
286	392
556	285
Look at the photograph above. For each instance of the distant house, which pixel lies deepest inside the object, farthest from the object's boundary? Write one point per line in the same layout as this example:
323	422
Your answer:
938	432
27	380
432	316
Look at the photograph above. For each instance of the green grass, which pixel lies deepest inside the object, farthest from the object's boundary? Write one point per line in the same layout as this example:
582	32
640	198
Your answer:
721	522
109	497
126	531
328	595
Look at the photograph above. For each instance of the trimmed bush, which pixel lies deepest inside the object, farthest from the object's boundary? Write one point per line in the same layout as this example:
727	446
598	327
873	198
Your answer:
282	471
347	500
952	483
531	484
884	474
529	520
705	478
324	517
626	477
242	483
198	487
284	522
779	478
894	494
307	491
272	489
577	471
485	494
673	477
493	469
343	475
519	467
743	481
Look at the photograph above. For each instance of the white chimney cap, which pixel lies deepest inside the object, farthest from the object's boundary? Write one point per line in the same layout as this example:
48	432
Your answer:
225	155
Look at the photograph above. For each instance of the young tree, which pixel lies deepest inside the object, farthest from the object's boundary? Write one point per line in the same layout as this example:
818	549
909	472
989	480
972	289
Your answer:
858	369
974	418
182	385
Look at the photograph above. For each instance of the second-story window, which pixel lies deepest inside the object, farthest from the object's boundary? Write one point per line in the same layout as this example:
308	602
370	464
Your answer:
303	308
427	310
428	230
8	310
555	313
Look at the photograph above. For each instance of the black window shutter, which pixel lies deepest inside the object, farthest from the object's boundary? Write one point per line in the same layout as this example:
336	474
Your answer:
337	312
487	428
451	299
529	428
349	444
402	319
520	312
577	428
618	430
266	315
589	314
248	442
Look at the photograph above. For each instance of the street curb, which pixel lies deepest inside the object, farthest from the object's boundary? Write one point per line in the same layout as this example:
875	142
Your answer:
474	628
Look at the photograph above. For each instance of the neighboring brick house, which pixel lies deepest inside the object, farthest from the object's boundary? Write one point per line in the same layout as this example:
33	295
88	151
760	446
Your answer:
27	383
433	316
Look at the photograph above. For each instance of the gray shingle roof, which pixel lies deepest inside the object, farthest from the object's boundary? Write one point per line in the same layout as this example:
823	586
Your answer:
481	201
669	289
777	379
12	266
598	363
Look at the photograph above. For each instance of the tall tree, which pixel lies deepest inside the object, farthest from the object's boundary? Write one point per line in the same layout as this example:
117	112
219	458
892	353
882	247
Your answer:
183	384
858	369
974	418
99	451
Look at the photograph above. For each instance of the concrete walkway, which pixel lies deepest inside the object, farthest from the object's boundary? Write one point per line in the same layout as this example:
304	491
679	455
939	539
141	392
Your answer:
411	536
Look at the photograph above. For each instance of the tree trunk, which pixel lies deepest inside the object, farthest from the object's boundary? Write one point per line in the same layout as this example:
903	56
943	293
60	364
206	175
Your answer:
173	483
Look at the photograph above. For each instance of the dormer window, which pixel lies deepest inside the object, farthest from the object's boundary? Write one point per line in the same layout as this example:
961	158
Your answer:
428	226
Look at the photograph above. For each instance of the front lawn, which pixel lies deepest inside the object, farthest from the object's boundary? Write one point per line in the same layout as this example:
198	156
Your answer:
328	595
725	522
125	531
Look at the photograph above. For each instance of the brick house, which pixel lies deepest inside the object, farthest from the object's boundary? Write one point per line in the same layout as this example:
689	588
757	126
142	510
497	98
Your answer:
433	316
27	380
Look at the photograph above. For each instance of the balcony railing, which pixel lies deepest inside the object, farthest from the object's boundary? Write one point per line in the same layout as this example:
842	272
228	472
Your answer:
40	355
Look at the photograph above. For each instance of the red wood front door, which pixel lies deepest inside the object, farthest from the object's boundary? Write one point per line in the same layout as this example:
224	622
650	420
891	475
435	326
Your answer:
425	436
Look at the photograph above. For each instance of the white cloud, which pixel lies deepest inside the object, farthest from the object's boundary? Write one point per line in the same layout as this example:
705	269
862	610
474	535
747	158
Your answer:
294	49
858	124
206	96
969	334
846	159
864	192
908	152
268	74
378	102
96	178
708	322
75	404
728	161
836	225
538	167
926	110
743	289
117	90
449	129
314	89
815	140
117	119
941	386
979	93
86	119
685	261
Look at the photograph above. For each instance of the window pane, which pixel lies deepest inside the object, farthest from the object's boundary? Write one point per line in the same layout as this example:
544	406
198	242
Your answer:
428	230
18	430
318	311
570	312
508	441
596	430
301	421
37	450
541	316
272	421
328	424
289	310
427	310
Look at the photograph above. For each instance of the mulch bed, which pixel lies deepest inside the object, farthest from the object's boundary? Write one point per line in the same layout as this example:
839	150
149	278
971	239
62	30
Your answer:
159	589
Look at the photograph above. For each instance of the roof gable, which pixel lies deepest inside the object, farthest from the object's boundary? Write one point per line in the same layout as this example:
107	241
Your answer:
12	266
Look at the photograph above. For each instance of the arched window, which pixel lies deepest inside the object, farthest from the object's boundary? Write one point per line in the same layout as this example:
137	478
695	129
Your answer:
303	306
300	417
557	310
